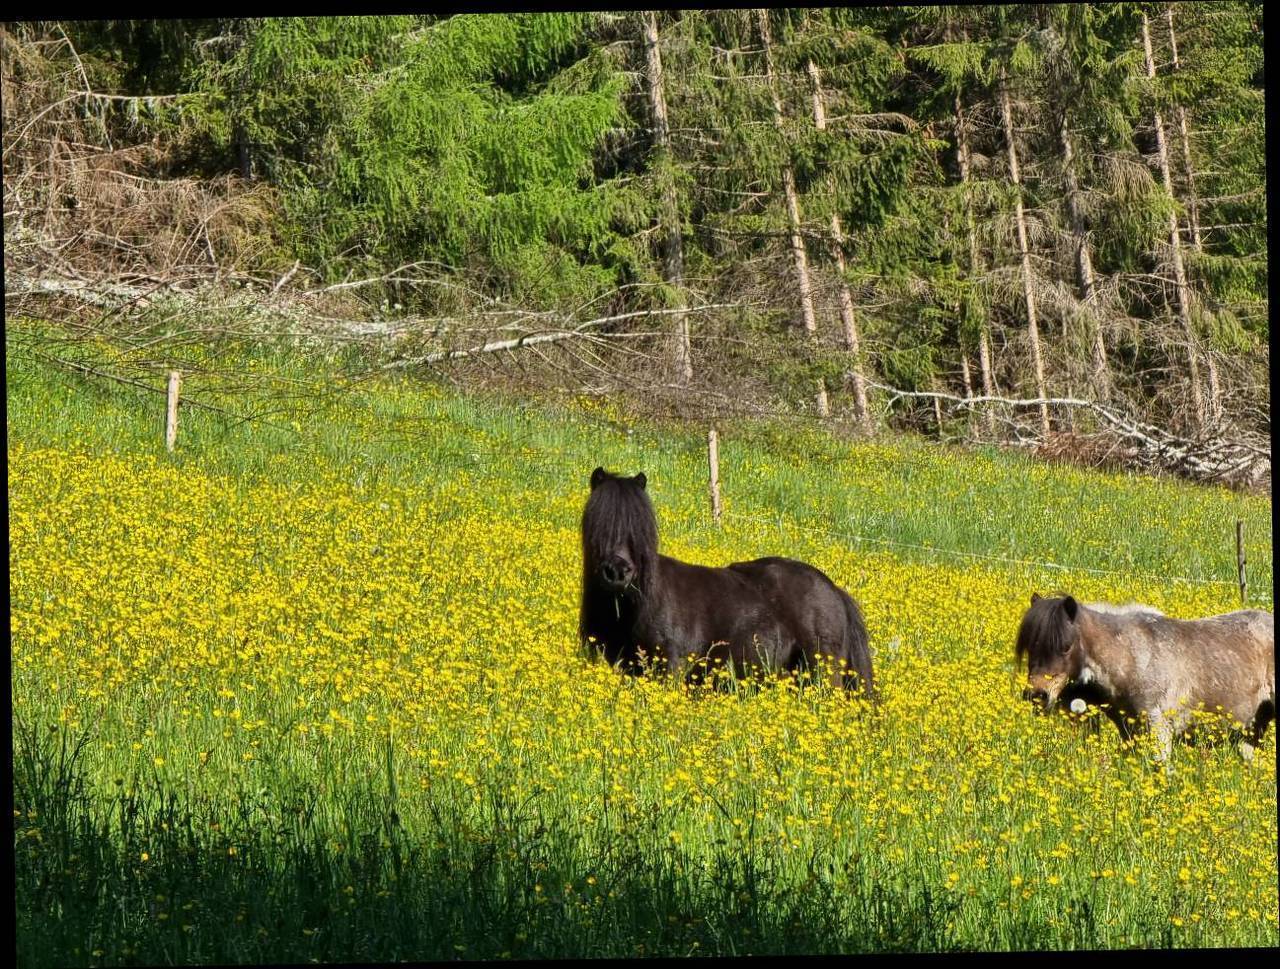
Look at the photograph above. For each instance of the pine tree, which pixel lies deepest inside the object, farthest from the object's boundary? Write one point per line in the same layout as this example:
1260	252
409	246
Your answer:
468	141
959	70
854	164
663	163
1213	91
1084	87
848	315
799	255
1182	290
1024	248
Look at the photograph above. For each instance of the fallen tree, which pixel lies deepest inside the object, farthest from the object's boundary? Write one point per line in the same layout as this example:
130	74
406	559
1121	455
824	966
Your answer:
1210	457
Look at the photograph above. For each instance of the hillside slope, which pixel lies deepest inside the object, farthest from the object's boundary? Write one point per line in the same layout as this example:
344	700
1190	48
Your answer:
324	670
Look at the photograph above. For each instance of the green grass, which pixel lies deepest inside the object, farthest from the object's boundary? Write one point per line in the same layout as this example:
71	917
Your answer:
896	494
494	770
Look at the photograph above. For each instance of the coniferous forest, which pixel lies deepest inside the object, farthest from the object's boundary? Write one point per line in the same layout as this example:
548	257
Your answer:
1032	224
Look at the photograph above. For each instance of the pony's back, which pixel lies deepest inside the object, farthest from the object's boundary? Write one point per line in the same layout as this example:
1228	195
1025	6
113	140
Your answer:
822	616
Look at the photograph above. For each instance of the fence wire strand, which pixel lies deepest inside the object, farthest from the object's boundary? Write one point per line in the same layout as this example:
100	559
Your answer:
496	459
1028	563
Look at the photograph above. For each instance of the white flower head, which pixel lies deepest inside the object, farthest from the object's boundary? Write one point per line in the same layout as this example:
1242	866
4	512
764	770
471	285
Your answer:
1078	705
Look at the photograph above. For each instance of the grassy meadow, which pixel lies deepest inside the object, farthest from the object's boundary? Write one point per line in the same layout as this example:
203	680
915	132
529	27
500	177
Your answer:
309	690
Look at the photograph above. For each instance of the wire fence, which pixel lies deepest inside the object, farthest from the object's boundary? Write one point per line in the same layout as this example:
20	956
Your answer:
832	535
474	456
961	553
499	462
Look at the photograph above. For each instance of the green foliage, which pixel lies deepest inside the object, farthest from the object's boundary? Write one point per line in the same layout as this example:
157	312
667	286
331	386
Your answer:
399	139
959	63
515	152
1225	332
909	367
140	57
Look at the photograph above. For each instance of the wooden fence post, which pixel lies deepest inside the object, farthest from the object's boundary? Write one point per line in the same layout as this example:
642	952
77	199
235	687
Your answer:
171	420
1240	562
713	459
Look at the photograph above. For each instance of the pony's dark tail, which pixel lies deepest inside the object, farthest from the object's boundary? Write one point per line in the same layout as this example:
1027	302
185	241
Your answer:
858	651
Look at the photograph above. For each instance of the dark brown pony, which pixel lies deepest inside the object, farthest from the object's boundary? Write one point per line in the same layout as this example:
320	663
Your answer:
640	608
1147	670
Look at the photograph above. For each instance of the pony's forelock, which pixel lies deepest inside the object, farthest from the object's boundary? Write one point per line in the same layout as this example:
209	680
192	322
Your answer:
619	514
1045	631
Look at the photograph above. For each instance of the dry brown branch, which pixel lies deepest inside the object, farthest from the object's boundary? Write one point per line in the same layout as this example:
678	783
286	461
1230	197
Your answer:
553	336
1207	459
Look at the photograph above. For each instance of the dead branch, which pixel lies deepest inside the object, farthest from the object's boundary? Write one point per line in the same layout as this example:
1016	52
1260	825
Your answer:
554	336
1210	458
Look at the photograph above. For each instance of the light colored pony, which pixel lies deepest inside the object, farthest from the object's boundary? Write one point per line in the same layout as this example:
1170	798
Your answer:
1146	669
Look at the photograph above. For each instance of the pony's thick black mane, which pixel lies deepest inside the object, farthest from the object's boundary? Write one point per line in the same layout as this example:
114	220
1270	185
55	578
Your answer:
619	514
1045	631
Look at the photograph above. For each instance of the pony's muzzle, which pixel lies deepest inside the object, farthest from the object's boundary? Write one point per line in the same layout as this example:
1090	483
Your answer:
617	573
1039	697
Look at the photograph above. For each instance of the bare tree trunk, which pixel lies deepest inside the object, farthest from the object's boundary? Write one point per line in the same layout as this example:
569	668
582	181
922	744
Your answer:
244	160
1175	242
1028	287
984	340
673	245
849	321
968	386
1193	217
1215	389
1084	262
800	258
1193	202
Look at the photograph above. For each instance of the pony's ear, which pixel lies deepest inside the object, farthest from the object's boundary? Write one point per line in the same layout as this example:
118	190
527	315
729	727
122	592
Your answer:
640	479
1035	597
1070	607
596	477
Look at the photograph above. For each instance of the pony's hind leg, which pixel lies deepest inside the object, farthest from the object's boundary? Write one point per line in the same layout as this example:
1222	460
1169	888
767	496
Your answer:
848	681
858	682
1262	717
839	674
824	668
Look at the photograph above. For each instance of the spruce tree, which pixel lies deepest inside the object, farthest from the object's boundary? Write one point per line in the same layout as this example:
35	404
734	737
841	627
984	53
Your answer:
467	141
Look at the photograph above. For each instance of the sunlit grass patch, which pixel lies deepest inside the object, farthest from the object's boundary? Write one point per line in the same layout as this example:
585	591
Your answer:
318	695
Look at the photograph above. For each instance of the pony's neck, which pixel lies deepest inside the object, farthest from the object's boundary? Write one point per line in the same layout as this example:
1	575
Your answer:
617	610
1107	657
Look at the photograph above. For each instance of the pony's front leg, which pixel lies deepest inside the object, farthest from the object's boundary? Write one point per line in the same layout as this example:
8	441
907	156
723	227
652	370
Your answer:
1163	728
686	667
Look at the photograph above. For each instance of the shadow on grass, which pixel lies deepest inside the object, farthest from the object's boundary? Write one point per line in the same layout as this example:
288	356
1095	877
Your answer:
143	878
